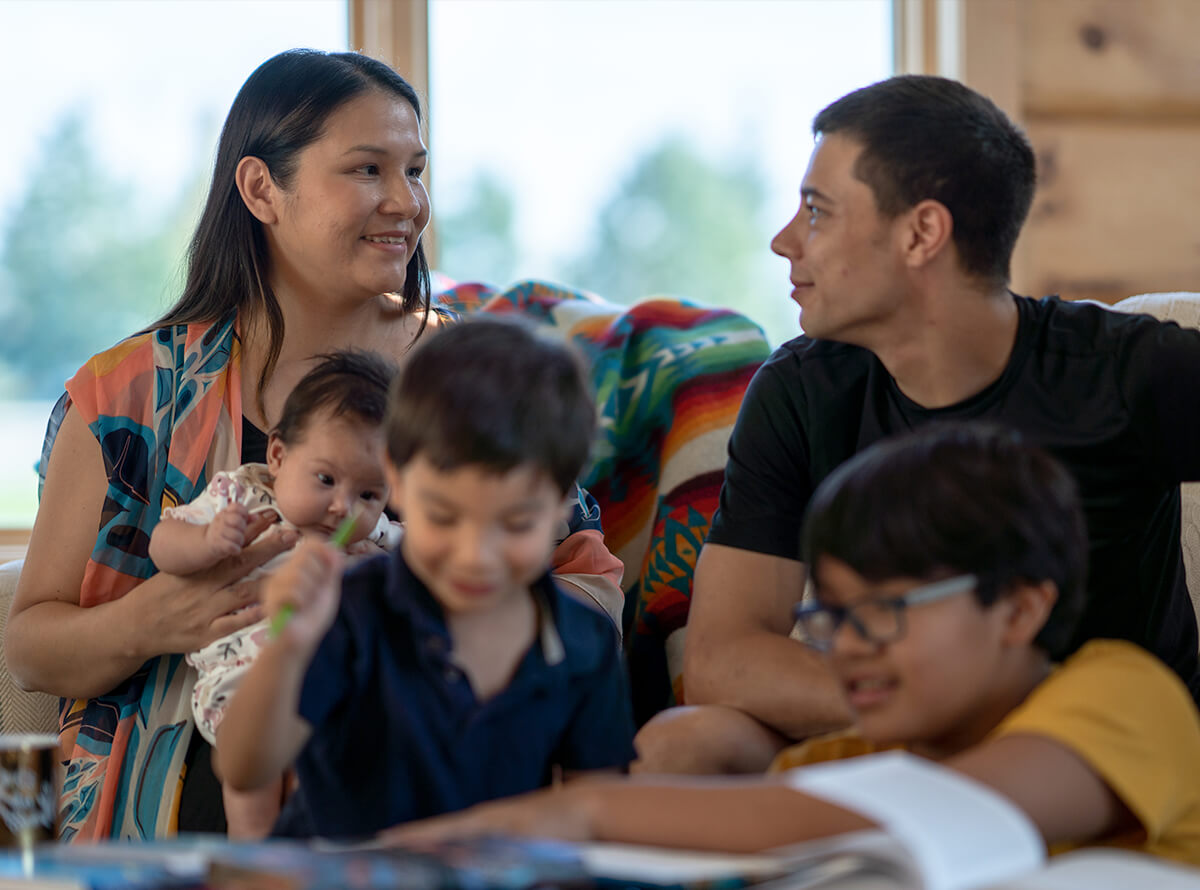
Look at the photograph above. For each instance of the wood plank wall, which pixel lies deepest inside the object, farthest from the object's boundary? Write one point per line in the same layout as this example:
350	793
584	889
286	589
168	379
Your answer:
1109	93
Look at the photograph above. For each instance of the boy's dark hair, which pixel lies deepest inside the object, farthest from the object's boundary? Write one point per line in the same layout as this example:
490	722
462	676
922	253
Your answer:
492	392
929	137
956	499
350	383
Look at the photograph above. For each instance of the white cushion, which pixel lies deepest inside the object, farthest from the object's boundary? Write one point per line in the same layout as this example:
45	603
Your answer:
20	711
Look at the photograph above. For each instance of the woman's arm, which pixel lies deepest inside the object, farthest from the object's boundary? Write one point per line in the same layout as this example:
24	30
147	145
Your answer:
55	646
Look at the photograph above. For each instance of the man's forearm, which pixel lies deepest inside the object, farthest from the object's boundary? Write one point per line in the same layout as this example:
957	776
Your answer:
773	678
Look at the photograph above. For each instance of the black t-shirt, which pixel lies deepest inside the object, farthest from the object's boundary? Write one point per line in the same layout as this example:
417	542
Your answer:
1115	397
201	808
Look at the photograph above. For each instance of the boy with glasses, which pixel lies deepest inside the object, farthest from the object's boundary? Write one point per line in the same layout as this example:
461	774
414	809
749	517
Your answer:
949	570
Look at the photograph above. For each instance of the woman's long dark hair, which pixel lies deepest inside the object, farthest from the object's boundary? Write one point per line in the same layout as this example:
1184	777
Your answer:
281	108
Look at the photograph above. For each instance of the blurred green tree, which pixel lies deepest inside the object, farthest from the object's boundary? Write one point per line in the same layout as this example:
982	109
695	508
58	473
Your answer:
683	226
476	241
80	265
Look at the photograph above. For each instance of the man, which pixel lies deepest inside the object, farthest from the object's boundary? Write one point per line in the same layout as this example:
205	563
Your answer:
910	209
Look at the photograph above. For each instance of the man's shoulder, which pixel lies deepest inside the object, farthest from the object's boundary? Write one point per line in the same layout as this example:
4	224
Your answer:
807	369
1083	325
800	354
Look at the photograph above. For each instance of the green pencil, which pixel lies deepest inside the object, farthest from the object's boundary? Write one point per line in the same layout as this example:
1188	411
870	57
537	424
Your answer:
339	538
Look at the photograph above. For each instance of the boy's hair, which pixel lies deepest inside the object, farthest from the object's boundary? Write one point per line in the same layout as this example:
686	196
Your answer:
956	499
929	137
494	393
351	383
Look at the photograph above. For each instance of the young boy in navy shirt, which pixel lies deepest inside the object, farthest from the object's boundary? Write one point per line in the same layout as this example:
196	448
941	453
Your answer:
452	671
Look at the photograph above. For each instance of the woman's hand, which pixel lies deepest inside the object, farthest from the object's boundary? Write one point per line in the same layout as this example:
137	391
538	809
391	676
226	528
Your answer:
55	645
185	613
560	812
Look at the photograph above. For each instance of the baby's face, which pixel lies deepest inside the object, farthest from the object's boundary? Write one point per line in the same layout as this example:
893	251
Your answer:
334	469
475	538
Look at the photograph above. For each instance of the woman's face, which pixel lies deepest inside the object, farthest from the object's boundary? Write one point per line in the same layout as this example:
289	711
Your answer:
353	213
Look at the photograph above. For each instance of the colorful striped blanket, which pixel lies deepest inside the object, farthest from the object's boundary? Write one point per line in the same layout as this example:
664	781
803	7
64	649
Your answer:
669	377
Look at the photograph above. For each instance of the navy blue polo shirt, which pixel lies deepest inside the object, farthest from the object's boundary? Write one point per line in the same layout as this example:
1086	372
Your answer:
397	733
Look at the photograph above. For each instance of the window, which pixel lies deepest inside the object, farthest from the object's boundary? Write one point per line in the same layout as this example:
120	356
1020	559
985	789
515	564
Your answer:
630	147
636	147
114	109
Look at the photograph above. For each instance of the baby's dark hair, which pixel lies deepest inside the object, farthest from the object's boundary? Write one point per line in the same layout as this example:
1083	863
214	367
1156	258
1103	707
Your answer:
496	393
956	499
351	383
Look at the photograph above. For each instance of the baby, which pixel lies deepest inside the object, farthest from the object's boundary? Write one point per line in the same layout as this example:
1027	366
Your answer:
324	464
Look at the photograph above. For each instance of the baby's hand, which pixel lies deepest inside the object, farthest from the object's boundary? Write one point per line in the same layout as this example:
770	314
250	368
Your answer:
226	534
306	588
365	547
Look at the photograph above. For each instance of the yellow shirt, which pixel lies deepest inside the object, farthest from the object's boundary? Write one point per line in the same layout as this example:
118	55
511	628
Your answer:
1126	715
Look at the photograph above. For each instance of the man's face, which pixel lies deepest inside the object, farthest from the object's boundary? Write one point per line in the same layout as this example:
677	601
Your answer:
847	261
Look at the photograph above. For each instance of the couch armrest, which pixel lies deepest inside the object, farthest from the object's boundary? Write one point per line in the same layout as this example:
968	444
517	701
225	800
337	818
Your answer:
20	711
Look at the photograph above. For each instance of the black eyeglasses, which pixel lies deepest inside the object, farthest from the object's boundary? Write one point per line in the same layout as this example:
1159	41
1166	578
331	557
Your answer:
877	619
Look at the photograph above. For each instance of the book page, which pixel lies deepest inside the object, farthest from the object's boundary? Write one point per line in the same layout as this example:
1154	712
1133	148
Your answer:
959	833
816	865
1110	868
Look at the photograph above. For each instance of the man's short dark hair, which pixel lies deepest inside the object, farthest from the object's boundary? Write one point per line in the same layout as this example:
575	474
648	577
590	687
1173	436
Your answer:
350	383
956	499
928	137
496	393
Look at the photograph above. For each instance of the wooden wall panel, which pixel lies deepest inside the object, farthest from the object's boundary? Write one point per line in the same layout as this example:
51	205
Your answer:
1117	210
1135	58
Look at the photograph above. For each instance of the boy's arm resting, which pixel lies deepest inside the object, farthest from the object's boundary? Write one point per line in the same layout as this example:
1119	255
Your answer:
52	643
262	733
1061	794
1110	741
737	651
736	815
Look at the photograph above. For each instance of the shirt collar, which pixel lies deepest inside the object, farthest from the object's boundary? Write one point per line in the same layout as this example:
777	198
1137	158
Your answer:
408	595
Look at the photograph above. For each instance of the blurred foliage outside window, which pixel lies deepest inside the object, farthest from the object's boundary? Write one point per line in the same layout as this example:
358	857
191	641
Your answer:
636	148
628	147
114	109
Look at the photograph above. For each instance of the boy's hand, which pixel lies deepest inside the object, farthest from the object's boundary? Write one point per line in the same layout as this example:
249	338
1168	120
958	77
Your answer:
308	585
226	534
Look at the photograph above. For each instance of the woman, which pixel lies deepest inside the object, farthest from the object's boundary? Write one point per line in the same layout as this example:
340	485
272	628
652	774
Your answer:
309	242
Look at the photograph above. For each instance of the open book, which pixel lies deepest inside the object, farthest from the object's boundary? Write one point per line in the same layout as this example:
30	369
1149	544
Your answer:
870	861
941	831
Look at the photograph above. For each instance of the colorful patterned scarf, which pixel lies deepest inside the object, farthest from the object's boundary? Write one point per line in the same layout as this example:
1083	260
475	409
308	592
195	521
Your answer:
162	405
669	378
